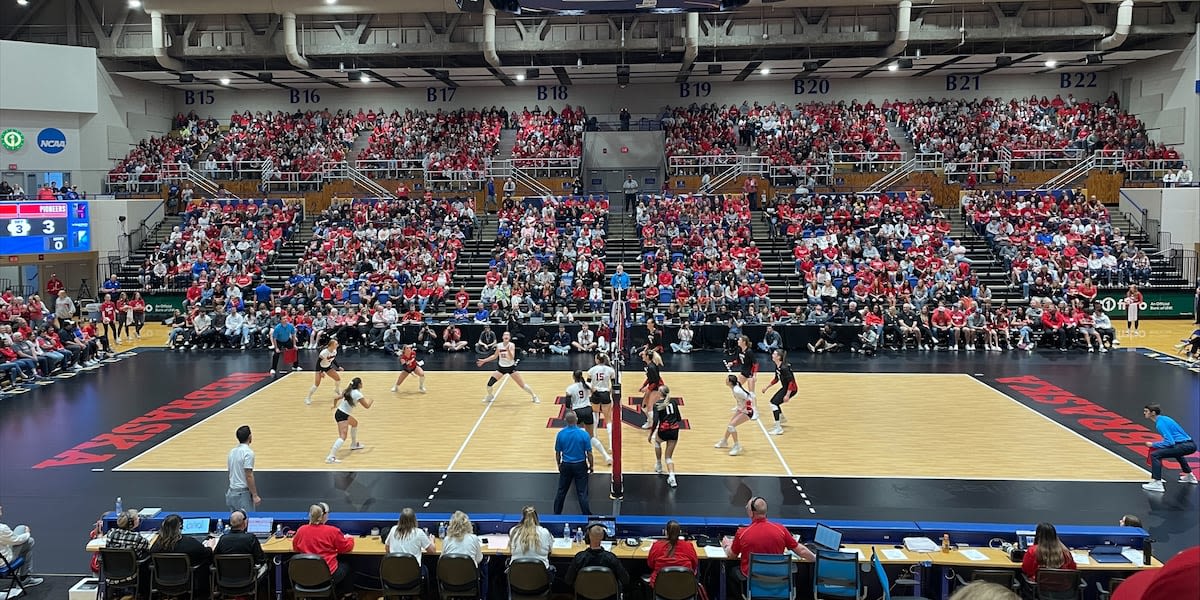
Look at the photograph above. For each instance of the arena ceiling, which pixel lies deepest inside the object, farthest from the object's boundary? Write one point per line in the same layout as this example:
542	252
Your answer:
316	43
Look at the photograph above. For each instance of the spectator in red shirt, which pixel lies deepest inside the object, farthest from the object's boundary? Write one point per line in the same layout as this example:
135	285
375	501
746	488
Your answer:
1047	552
760	537
1054	325
326	541
669	552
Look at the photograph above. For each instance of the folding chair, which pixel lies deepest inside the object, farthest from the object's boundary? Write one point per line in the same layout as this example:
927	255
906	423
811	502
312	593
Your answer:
836	575
1058	584
310	577
1113	584
120	570
172	575
676	583
457	576
8	570
528	579
770	577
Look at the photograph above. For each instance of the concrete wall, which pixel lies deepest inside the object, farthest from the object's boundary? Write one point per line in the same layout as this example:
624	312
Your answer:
1162	92
106	227
1176	209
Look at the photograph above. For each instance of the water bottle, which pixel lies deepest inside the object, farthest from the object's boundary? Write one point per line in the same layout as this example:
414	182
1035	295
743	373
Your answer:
225	530
1147	552
945	542
279	531
220	526
578	535
117	506
442	530
566	531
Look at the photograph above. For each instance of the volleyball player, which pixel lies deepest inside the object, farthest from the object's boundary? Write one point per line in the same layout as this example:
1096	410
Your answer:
410	365
665	432
653	382
505	356
743	410
787	389
579	400
601	377
343	408
327	365
746	362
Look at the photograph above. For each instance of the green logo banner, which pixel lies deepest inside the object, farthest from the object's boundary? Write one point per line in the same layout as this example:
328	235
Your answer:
12	139
1156	304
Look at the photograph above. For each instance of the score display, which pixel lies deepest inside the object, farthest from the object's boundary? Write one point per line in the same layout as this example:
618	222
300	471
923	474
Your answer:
44	227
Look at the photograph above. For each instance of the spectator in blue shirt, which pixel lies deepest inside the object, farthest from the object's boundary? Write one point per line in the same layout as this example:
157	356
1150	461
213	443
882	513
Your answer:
111	284
619	282
262	293
283	338
1175	443
483	315
573	453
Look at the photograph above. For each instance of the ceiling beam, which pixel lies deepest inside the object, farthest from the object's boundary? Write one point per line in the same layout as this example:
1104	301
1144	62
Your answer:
378	77
31	12
323	79
255	77
502	76
945	63
89	16
563	77
747	70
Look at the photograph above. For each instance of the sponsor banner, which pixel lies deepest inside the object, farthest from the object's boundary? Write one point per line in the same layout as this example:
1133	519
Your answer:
1155	304
161	306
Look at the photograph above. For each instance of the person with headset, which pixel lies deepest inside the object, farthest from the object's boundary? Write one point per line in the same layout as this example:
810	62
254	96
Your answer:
668	552
326	541
759	537
239	541
596	556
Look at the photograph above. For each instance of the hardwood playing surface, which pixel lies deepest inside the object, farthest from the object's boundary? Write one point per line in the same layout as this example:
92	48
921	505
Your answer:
840	425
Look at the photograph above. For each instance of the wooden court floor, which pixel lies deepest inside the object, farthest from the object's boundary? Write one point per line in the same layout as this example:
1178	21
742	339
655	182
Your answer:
840	425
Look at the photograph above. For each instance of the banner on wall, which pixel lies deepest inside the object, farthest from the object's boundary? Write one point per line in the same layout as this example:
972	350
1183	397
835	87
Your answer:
1156	304
163	305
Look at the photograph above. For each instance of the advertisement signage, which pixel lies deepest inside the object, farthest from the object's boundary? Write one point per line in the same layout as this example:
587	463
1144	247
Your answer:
51	140
12	139
1156	304
161	306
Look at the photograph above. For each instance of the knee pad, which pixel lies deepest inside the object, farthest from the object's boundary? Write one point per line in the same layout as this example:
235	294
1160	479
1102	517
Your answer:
657	444
491	381
669	461
730	428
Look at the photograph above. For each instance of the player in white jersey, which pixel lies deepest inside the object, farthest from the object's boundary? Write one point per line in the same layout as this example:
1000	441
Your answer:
603	377
743	410
327	366
343	406
506	364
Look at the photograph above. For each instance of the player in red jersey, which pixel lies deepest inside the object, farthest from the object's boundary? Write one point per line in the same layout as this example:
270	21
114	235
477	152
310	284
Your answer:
410	365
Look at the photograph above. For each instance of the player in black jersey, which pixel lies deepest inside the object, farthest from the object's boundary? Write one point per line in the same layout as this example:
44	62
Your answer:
787	389
665	432
745	362
653	381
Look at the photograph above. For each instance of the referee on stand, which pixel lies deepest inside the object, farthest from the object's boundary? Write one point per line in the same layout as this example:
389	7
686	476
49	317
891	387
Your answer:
573	453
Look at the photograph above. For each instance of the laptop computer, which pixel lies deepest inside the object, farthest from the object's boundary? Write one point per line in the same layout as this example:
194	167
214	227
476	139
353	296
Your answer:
260	527
1108	554
827	539
196	527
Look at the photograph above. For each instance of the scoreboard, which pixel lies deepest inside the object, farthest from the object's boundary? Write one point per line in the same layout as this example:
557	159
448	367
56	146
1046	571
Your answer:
44	227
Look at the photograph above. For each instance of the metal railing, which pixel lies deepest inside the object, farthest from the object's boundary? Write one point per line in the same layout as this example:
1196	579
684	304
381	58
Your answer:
867	162
1150	170
795	174
566	166
403	168
701	165
1042	159
961	172
342	170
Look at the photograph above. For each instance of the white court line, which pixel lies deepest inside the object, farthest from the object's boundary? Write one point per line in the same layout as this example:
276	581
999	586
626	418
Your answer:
205	420
478	422
770	441
1064	427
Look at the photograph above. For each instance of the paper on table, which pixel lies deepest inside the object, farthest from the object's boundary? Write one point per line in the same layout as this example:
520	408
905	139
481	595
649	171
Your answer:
1133	555
894	554
973	554
1081	558
714	552
562	543
857	551
920	544
498	542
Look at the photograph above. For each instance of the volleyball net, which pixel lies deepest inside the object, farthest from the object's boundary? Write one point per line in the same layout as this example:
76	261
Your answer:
616	489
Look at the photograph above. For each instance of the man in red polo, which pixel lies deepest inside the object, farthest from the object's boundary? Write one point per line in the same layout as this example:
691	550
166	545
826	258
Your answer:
760	537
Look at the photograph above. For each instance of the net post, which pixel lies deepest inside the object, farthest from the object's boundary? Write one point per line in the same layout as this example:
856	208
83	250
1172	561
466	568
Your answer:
617	488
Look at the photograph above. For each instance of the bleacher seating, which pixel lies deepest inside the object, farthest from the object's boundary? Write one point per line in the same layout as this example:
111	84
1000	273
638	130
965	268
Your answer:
453	145
550	134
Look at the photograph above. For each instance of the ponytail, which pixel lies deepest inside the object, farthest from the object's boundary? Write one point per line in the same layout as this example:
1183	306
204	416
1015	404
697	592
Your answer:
672	532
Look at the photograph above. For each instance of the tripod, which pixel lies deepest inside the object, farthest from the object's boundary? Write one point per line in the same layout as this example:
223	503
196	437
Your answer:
84	291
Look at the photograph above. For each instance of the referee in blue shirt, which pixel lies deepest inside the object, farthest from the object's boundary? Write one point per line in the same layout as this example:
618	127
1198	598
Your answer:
573	452
1175	443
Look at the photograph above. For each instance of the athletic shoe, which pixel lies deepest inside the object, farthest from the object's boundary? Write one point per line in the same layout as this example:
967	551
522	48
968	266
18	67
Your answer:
421	389
646	425
1187	478
658	467
272	371
308	400
1091	349
394	389
783	419
736	450
671	480
1154	486
330	460
608	459
954	346
488	398
296	368
357	446
1103	350
721	444
537	400
31	581
777	430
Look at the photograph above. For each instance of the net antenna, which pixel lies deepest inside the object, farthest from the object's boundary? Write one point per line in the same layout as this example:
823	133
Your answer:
617	489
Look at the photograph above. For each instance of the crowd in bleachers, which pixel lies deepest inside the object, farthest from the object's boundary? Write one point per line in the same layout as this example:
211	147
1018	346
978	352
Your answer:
1059	245
453	145
789	135
295	144
549	134
191	137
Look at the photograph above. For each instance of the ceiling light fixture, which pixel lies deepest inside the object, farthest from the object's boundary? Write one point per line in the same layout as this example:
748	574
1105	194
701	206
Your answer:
765	71
135	3
893	67
330	1
520	77
23	2
224	81
1050	64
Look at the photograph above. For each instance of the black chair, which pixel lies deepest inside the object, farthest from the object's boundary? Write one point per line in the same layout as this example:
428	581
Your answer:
457	576
596	583
528	579
8	571
1113	584
121	570
172	575
675	583
1058	584
236	575
400	576
1002	577
310	577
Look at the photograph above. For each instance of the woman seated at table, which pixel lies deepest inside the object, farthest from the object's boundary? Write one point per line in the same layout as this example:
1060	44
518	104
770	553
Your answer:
461	538
320	538
170	540
406	538
1047	552
668	552
530	540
